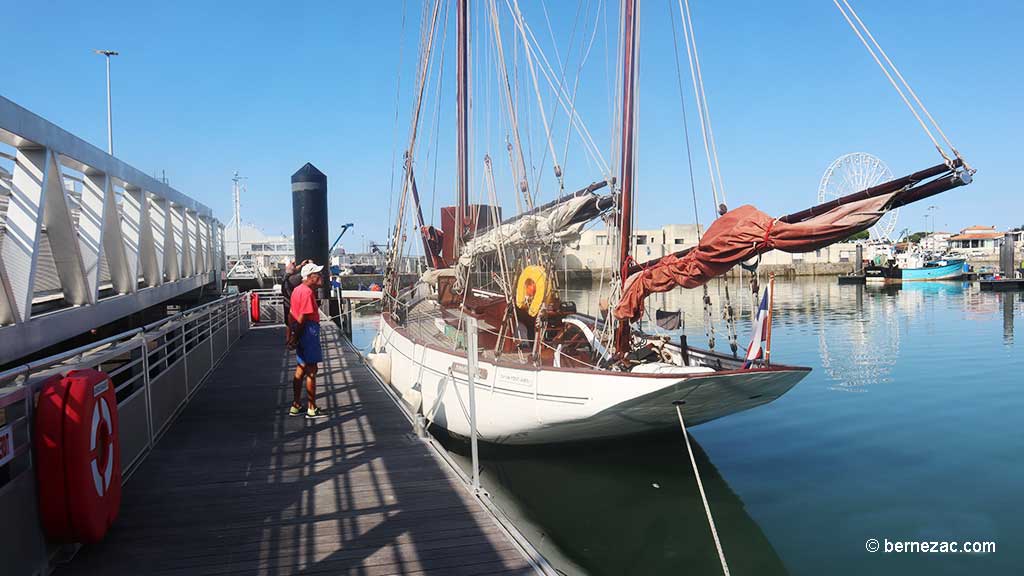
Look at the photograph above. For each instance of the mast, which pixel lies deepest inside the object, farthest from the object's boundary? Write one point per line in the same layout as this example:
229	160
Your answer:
462	118
626	164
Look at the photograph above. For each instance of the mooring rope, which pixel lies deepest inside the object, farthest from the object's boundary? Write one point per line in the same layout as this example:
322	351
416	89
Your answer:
703	497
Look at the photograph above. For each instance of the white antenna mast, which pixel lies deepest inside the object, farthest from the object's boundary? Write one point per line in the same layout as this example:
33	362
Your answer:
237	187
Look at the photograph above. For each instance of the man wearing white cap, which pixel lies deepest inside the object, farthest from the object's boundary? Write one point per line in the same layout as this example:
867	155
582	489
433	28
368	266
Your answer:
305	317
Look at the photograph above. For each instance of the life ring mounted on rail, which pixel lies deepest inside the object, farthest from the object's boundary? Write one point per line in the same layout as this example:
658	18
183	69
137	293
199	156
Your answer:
78	456
531	289
254	307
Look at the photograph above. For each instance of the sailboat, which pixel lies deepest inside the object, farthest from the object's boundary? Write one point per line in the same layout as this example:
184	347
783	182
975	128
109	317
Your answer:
546	373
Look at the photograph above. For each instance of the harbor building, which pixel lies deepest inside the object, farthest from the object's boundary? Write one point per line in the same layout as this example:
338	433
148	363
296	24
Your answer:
977	241
591	253
936	242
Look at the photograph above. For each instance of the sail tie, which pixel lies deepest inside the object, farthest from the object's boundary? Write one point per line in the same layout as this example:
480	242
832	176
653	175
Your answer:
766	242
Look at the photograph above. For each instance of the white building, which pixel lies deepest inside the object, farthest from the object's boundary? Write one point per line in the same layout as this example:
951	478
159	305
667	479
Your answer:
936	242
592	251
977	241
264	251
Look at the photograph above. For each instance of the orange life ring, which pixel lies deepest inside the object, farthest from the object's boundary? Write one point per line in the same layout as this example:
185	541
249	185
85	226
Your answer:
78	457
254	307
532	289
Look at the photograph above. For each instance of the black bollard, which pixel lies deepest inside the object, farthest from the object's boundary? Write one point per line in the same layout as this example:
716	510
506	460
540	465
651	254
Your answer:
309	215
684	350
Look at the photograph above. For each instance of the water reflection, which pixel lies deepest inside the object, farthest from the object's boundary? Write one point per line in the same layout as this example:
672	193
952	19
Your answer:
624	507
932	452
864	353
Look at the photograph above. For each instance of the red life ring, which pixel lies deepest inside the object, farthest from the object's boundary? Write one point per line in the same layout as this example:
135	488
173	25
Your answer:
78	457
254	307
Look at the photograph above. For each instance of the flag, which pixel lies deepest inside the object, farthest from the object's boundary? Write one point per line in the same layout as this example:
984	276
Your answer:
761	330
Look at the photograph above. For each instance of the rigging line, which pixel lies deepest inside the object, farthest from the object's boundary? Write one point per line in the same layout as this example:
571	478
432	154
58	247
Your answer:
522	182
700	487
529	45
700	106
395	251
892	81
686	126
576	83
707	107
394	132
536	86
903	80
559	168
437	112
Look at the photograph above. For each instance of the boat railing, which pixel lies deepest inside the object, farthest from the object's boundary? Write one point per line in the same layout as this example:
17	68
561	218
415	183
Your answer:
155	370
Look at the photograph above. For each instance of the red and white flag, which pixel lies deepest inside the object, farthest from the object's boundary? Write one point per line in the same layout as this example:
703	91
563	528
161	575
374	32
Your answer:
761	330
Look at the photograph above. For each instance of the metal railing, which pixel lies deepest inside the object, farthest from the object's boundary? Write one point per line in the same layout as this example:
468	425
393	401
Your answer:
155	371
86	238
271	306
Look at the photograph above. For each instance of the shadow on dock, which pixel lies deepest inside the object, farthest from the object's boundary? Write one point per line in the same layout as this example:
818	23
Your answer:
238	487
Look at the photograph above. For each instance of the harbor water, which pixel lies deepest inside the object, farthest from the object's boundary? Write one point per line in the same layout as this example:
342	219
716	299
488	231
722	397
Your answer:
907	430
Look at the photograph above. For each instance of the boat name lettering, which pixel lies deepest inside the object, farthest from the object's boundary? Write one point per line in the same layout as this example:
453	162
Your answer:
460	368
515	380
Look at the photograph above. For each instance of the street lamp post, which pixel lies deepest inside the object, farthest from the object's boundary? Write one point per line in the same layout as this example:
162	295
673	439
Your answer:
110	133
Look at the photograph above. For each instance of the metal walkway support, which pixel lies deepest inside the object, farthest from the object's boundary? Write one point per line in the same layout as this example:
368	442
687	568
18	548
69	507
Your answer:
86	239
156	370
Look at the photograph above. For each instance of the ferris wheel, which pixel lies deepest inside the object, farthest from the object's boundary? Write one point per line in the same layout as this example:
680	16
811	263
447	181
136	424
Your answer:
852	173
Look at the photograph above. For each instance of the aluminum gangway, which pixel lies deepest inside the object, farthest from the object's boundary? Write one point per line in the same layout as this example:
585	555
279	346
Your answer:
86	239
156	371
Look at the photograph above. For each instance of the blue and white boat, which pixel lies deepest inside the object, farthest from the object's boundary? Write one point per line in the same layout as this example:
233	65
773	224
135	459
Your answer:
946	269
914	268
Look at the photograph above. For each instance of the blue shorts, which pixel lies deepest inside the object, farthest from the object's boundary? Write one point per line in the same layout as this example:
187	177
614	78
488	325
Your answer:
308	351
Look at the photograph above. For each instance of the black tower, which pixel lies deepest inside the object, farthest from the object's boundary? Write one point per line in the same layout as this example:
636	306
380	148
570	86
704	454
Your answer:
309	213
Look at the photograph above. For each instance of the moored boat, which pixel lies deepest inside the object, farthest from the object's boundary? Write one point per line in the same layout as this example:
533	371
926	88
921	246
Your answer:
930	270
541	372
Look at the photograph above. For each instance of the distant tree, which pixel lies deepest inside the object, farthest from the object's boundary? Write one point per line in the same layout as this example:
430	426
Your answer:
916	237
862	235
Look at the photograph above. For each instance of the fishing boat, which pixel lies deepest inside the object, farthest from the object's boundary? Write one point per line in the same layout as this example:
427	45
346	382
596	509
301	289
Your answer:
545	372
918	269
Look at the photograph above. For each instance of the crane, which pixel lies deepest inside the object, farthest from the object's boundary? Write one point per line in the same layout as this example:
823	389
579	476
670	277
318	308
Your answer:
344	228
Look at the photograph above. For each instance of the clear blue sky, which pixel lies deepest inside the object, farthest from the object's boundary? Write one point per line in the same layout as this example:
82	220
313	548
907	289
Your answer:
205	88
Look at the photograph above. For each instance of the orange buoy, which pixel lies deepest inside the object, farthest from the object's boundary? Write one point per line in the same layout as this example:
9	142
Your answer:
78	457
254	307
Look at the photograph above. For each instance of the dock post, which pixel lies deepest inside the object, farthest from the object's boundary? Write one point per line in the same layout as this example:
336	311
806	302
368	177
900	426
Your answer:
858	266
309	218
471	358
1006	255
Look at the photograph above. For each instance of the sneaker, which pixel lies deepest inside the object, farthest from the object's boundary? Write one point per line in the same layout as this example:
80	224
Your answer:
295	410
314	413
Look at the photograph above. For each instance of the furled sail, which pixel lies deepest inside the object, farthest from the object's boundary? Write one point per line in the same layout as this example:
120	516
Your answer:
561	222
739	235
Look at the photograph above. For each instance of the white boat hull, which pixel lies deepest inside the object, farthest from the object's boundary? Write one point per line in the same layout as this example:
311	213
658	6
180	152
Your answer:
529	405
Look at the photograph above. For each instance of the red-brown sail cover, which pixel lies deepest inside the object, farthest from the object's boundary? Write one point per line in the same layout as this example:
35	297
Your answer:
739	235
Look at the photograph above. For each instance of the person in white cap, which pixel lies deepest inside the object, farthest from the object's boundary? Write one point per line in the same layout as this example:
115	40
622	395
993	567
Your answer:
305	317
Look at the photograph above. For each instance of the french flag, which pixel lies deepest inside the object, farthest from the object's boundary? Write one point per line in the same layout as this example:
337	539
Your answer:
761	329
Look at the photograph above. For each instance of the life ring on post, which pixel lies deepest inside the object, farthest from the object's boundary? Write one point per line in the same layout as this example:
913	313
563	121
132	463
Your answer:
531	288
254	307
78	457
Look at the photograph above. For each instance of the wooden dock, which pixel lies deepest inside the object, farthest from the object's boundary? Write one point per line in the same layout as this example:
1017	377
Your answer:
236	486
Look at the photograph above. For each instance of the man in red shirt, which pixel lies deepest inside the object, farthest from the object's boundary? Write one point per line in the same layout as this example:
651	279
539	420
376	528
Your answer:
305	317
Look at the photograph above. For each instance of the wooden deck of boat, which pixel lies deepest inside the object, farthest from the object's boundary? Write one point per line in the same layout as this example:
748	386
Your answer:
238	487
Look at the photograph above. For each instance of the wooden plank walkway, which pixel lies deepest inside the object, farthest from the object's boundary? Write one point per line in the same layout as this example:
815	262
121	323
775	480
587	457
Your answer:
238	487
